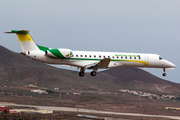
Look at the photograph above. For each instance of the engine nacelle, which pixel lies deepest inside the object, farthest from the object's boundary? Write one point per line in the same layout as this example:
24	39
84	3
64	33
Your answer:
59	53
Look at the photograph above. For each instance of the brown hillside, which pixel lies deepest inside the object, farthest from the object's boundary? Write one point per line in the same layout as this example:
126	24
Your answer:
135	78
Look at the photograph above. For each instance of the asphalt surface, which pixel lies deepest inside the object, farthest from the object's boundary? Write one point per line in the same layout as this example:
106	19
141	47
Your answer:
69	109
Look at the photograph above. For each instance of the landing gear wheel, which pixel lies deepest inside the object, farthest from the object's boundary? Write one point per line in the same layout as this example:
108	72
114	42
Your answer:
81	74
93	73
164	74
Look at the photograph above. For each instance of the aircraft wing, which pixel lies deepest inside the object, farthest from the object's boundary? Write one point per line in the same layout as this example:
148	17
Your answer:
102	64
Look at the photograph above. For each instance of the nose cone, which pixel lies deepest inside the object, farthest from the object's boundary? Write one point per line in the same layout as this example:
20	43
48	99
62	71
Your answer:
169	64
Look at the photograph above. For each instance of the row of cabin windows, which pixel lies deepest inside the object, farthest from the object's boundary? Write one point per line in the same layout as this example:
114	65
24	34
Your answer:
109	57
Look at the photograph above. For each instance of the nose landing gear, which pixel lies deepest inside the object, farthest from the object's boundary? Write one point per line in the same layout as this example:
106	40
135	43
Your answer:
164	74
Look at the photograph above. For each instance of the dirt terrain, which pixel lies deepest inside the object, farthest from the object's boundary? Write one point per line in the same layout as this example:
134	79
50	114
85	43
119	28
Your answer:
107	101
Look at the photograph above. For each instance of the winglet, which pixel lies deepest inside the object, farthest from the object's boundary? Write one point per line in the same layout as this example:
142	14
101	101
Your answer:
19	32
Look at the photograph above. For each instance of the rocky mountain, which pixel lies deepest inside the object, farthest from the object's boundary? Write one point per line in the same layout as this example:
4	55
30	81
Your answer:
16	69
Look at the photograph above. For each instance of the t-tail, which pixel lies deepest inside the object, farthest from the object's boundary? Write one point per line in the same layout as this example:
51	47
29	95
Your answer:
26	41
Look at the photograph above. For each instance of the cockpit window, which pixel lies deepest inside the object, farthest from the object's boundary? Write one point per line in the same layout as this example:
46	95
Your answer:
160	58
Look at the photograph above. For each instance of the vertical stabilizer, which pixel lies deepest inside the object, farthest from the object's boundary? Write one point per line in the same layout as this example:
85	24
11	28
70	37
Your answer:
26	41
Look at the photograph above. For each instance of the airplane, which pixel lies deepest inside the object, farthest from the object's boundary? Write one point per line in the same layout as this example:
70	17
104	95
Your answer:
88	59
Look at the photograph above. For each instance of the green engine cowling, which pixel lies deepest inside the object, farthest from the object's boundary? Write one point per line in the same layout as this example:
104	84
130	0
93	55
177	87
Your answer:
59	53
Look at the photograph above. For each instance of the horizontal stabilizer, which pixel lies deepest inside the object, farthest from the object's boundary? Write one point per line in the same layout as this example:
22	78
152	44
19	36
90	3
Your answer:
19	32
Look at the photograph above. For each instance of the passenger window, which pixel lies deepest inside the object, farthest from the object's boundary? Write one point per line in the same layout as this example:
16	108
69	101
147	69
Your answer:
113	57
108	56
104	56
121	57
134	57
89	55
99	56
130	57
81	56
76	55
126	57
85	55
94	56
117	57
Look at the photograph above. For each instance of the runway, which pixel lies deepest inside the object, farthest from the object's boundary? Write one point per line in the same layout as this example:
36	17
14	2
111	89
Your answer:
69	109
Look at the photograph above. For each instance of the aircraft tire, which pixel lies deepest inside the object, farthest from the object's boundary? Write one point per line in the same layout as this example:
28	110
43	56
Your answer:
81	74
93	73
164	74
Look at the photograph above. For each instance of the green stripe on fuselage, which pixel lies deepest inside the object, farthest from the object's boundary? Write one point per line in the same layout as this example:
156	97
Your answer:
43	48
57	53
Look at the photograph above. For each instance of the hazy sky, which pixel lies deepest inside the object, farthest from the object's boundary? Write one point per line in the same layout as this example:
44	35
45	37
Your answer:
140	26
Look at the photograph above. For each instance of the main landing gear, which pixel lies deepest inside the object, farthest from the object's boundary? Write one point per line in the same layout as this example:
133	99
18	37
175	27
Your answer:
81	73
93	73
164	74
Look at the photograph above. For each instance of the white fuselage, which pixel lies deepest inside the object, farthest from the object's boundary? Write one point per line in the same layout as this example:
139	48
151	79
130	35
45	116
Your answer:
118	59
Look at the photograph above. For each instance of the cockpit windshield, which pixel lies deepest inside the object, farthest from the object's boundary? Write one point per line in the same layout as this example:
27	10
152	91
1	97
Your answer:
160	58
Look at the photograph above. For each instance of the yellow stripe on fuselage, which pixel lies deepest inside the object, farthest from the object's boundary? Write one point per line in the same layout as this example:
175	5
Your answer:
138	61
143	62
23	38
